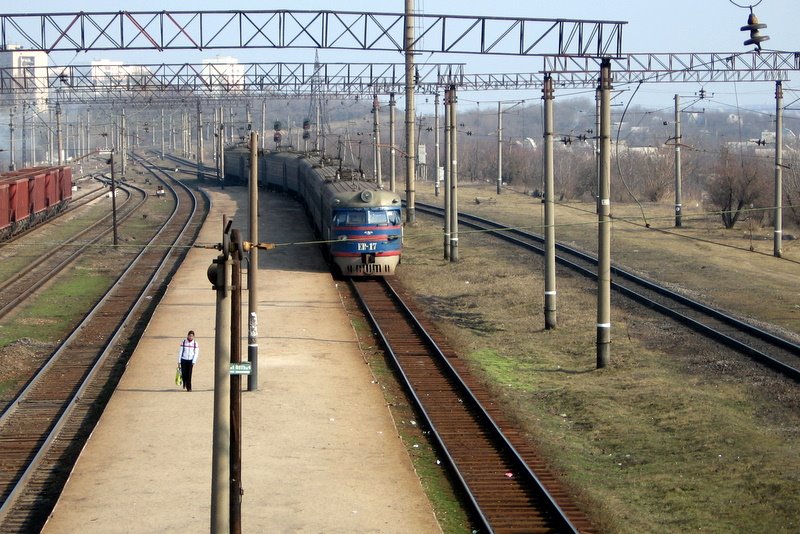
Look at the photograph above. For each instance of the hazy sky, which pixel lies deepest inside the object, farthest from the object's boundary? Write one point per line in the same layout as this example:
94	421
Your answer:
653	26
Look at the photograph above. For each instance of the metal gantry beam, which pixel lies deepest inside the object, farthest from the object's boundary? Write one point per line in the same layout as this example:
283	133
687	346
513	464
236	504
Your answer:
113	82
221	78
212	30
676	67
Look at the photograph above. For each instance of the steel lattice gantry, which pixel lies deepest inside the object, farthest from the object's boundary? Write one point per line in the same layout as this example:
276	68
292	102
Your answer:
232	80
208	30
700	67
223	79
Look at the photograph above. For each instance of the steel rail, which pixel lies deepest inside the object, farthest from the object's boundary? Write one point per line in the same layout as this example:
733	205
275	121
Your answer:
43	278
76	398
469	403
502	231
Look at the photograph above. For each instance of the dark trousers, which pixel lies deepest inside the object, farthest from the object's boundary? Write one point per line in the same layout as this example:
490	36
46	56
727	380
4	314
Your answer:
186	374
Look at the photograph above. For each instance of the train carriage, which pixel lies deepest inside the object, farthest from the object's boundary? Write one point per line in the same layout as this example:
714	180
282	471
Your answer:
30	196
360	223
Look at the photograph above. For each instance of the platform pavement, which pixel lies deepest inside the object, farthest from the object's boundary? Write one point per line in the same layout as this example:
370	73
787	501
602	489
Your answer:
319	449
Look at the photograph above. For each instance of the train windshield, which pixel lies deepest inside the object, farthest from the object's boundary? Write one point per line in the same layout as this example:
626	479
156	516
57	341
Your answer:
364	217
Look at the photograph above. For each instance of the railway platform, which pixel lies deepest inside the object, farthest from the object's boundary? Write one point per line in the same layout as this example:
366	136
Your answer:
320	452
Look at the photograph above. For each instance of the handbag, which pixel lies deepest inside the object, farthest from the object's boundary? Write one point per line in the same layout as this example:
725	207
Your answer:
178	377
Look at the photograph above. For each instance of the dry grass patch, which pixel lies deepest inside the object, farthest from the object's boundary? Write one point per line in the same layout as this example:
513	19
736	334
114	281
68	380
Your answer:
675	435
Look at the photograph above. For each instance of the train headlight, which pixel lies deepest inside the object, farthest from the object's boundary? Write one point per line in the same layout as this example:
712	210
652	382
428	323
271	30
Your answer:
366	196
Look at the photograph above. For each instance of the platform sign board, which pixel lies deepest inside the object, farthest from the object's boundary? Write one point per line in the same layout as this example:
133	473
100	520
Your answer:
242	368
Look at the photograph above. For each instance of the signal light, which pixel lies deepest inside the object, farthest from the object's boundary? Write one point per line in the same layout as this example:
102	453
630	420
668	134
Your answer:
753	26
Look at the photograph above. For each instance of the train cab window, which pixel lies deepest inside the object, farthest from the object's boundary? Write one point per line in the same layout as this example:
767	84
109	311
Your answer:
384	217
394	217
350	218
378	217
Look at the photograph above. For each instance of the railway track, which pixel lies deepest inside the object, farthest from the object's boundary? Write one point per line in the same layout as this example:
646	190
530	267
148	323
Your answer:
41	269
43	430
767	348
76	203
509	487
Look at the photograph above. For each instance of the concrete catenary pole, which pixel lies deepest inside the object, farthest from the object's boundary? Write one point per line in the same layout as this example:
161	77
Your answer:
376	136
221	151
604	222
597	99
113	199
447	161
50	151
24	151
549	209
392	144
12	166
411	149
453	176
123	144
235	481
264	124
499	147
88	131
778	233
221	450
58	136
252	270
200	162
163	134
437	157
678	178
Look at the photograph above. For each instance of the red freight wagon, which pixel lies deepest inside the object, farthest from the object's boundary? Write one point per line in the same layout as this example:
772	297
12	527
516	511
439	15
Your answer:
37	187
66	183
19	200
51	189
30	196
5	211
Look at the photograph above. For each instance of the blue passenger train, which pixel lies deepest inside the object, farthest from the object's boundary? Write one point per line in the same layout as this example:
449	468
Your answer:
360	223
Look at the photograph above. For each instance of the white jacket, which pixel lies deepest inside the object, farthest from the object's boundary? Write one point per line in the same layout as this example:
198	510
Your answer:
188	351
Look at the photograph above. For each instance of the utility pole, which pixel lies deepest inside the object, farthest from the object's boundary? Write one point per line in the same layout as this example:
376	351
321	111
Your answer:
376	135
11	165
436	157
549	209
499	147
58	135
124	143
778	233
252	270
221	150
50	135
220	275
453	177
24	135
604	222
447	166
597	98
235	437
411	149
87	132
264	124
678	179
163	134
392	144
113	198
200	164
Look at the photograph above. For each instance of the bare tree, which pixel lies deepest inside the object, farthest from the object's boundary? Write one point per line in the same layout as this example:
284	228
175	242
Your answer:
738	182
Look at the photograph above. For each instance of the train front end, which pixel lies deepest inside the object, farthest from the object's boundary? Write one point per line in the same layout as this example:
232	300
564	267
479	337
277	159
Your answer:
366	232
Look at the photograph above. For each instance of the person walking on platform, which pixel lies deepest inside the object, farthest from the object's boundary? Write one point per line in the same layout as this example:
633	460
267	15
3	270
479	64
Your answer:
187	357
